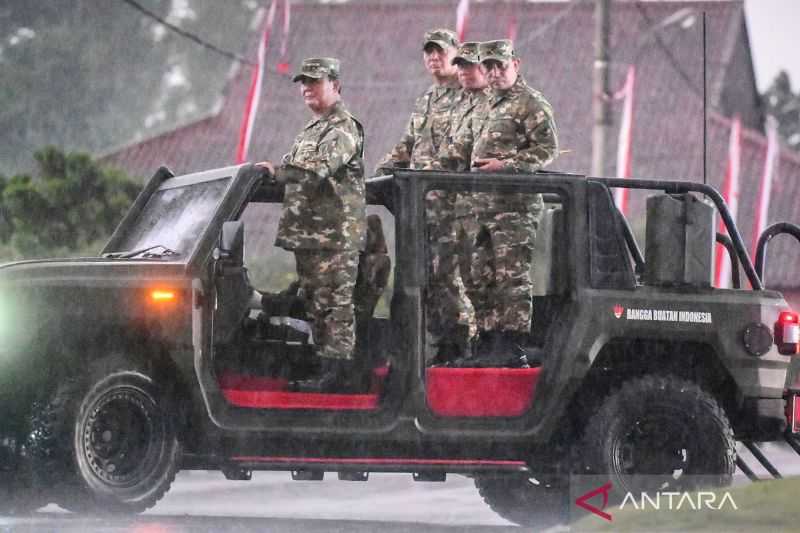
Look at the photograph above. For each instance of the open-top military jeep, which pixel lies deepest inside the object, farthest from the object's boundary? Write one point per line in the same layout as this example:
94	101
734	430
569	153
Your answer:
118	371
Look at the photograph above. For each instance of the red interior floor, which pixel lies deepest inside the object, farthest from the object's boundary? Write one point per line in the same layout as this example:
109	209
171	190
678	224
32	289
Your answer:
272	393
451	392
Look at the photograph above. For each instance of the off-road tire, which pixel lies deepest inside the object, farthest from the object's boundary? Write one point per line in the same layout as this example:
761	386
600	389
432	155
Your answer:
109	443
684	425
522	501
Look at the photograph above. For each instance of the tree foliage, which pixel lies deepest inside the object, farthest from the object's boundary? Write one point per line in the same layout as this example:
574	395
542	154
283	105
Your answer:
71	206
781	103
91	76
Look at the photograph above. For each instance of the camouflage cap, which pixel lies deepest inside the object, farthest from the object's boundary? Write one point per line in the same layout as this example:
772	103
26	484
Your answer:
502	50
441	37
318	67
467	53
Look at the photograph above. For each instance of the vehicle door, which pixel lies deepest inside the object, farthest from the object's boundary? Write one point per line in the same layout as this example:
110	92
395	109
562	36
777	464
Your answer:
500	235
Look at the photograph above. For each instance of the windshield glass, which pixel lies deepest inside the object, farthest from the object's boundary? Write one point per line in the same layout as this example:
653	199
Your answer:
175	216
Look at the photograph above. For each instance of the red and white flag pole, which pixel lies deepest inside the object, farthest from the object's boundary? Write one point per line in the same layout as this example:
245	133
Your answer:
462	19
254	94
283	64
624	146
511	28
730	193
765	188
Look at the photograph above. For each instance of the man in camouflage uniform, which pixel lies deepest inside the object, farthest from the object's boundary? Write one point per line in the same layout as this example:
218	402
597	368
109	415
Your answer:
428	132
429	125
323	219
456	310
513	132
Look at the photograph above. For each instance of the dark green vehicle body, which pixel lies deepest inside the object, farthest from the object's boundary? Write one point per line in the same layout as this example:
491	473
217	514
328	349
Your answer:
598	326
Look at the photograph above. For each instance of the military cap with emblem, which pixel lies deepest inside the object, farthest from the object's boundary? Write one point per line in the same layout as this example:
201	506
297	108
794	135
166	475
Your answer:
441	37
318	67
501	50
467	53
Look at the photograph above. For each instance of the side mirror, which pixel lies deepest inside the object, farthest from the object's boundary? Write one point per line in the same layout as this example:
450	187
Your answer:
231	243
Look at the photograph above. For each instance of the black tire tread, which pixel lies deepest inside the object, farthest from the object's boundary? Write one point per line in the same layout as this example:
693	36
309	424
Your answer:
107	505
633	393
518	500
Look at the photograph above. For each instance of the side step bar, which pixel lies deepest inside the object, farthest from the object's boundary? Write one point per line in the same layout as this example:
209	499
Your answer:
791	439
423	469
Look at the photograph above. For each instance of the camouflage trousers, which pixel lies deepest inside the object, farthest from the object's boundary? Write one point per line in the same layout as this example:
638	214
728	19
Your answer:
447	304
499	283
327	278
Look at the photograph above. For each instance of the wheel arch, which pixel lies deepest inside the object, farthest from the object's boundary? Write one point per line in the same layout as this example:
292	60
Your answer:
146	352
620	360
92	351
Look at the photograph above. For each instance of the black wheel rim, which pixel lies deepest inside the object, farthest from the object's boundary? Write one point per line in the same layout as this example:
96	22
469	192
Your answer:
654	451
121	436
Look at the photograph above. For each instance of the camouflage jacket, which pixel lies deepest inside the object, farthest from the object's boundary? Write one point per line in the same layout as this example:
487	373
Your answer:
467	103
515	126
324	201
427	131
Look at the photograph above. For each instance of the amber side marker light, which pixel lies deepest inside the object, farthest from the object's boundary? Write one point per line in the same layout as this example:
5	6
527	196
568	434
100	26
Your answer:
162	296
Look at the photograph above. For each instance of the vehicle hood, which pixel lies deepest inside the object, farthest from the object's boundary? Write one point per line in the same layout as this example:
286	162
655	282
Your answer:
89	269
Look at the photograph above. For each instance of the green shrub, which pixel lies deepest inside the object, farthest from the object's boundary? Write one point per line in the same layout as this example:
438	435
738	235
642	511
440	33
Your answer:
69	208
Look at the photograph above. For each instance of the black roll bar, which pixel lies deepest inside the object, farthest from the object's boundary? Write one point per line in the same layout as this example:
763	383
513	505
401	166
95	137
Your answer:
766	236
680	187
725	241
630	241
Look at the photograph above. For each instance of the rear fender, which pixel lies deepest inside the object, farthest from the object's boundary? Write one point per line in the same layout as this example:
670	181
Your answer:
623	359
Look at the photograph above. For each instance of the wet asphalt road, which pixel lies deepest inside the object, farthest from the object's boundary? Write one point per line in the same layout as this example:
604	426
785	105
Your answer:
271	501
387	503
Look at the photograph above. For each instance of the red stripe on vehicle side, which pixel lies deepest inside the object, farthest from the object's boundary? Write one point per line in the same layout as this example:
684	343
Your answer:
374	461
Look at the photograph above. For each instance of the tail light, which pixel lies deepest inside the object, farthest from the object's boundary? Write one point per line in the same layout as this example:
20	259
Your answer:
787	333
793	411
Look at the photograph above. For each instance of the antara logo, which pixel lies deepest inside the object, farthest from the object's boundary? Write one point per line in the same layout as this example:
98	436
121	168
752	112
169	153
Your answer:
618	310
660	500
582	501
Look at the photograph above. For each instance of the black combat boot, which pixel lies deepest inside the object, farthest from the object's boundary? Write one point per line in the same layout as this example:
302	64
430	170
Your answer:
497	349
446	352
335	376
331	375
455	346
510	349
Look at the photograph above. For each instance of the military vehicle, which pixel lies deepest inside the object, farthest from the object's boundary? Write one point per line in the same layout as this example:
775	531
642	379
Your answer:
118	371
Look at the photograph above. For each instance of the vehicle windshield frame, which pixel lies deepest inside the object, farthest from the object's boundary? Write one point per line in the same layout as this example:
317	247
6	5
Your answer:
217	184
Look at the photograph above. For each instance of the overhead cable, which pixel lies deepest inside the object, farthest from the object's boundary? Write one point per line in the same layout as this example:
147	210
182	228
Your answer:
188	35
670	56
